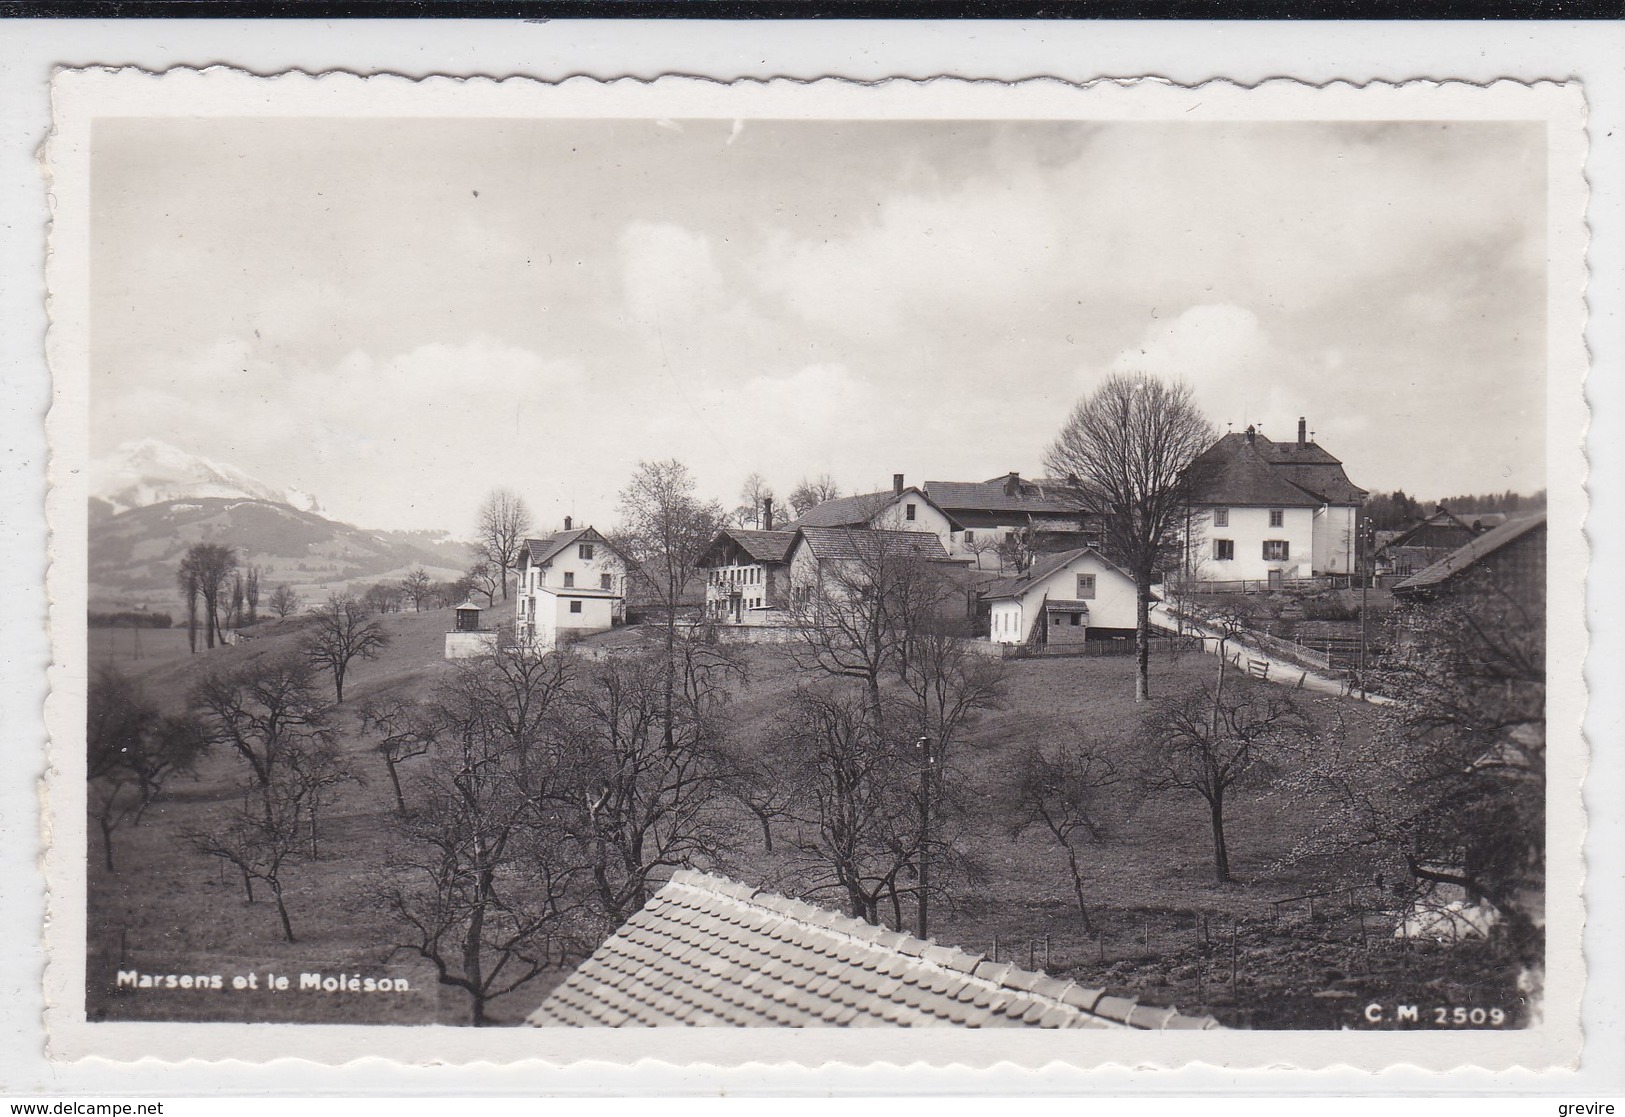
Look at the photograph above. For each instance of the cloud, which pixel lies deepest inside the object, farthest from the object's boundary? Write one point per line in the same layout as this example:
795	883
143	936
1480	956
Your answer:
668	273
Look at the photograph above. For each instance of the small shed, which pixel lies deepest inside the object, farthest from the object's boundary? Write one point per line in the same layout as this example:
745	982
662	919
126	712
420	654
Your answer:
467	640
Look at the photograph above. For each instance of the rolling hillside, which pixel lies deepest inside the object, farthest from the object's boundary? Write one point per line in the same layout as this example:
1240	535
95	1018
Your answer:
134	554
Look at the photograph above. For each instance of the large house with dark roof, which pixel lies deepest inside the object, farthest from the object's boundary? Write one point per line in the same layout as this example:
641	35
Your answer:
1266	510
707	951
571	584
902	508
1052	516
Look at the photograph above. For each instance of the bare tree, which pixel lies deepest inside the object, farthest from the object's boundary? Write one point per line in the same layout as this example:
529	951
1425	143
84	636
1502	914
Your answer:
1133	444
261	844
262	711
313	771
855	809
809	493
1016	550
1210	741
417	586
131	752
284	601
482	579
984	544
855	620
1060	789
665	530
1448	786
341	634
383	597
503	522
638	805
235	618
401	731
209	566
752	496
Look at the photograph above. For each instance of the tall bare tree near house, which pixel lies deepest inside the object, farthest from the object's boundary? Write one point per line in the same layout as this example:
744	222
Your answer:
1060	788
664	532
1132	443
503	521
342	633
210	566
752	496
482	579
810	492
1210	742
235	616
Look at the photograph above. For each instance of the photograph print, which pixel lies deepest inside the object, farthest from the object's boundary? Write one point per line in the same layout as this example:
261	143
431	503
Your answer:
803	570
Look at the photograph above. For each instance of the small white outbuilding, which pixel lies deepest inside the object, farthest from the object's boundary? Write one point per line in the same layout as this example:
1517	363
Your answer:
1075	595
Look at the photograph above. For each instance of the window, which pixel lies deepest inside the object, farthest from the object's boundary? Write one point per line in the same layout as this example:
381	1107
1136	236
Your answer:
585	550
1277	517
1224	550
1086	587
1077	619
970	537
908	512
1276	550
1221	517
605	582
575	606
569	578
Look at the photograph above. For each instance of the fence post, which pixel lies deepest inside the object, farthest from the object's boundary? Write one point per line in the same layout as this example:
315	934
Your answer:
1233	956
995	948
1032	954
1046	954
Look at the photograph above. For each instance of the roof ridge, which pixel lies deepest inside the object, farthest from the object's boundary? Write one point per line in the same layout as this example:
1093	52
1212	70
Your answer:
1049	992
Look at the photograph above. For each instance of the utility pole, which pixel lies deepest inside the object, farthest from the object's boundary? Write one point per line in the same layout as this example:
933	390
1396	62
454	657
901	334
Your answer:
1365	541
927	773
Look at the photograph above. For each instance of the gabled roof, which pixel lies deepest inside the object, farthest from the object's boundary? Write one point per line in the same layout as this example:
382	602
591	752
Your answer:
848	543
1441	518
706	950
1472	553
1044	567
859	510
760	546
542	551
1281	474
1036	498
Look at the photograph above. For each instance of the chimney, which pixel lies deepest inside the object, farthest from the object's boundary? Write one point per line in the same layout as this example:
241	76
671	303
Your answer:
767	513
566	523
1012	484
1252	434
897	483
1303	432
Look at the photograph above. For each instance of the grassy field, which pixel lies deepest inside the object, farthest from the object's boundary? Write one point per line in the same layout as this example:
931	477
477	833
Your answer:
1168	932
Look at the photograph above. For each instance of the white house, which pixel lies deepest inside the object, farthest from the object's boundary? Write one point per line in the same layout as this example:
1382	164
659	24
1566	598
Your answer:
570	585
1268	509
827	563
903	508
1064	598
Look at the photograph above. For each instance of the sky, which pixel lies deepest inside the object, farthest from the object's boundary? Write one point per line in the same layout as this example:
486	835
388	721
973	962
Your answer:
401	315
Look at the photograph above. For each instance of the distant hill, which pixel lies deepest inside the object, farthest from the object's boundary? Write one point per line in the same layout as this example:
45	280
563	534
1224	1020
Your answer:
134	554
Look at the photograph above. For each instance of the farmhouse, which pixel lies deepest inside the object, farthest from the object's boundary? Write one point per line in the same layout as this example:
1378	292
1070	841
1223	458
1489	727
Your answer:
571	584
829	563
1431	539
1513	555
747	576
903	508
1012	511
1267	510
709	951
1067	598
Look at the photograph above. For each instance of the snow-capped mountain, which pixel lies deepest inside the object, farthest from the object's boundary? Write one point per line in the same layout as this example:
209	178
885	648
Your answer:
147	472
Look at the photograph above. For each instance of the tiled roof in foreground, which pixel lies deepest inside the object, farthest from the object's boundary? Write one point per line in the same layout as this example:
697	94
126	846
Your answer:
707	950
